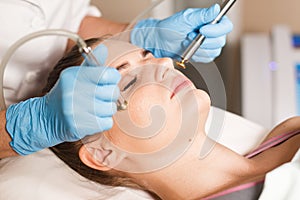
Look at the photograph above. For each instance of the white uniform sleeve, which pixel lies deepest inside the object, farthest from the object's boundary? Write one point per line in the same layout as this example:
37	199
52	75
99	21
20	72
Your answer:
27	71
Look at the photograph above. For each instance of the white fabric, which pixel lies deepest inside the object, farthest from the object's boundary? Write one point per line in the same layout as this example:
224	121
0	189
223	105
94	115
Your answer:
43	176
283	182
234	131
28	69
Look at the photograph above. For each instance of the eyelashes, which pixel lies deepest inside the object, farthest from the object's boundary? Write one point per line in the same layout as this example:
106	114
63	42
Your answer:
122	67
131	83
146	52
126	65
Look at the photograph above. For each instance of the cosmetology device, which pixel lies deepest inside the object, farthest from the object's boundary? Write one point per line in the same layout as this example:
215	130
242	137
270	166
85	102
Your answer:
192	48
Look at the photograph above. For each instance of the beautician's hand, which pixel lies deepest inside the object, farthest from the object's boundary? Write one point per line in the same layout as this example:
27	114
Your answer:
81	103
171	36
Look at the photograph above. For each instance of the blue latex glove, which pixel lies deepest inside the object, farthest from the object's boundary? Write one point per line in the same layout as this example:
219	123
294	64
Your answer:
81	103
171	36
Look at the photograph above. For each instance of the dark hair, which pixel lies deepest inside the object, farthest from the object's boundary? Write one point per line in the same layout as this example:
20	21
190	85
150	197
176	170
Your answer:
72	58
69	151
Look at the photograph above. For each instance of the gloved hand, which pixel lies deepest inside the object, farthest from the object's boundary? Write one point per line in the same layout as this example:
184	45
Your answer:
81	103
171	36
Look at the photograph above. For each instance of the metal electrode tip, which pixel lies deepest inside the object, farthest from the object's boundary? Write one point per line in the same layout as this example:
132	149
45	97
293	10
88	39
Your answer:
122	106
181	64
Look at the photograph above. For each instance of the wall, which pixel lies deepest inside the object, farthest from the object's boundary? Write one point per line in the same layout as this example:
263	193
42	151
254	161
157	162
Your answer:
261	15
180	4
127	10
251	16
121	10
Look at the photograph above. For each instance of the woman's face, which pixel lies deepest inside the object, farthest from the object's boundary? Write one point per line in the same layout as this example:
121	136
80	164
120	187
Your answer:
161	101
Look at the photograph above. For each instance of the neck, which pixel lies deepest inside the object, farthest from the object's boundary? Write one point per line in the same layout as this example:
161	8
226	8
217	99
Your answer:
196	178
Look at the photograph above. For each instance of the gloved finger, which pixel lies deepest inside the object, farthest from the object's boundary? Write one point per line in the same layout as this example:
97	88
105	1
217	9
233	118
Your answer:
96	75
209	43
202	59
107	92
216	30
206	56
98	125
104	123
108	75
104	108
199	17
86	113
214	43
100	53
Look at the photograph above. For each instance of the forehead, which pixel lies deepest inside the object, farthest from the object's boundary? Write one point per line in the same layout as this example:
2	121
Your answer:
117	49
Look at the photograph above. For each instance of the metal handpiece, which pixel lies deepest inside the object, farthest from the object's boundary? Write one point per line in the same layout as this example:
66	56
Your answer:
88	55
192	48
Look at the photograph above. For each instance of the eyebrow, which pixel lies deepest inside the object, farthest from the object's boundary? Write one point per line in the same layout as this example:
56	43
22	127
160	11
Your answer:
144	53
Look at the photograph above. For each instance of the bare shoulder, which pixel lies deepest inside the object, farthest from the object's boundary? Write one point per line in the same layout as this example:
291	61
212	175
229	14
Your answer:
288	125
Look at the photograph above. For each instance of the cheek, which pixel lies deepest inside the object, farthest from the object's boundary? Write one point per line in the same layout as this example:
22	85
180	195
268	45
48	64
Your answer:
140	104
204	100
203	105
143	101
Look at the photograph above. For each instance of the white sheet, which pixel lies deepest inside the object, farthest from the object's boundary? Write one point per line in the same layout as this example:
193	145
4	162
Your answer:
236	132
283	183
42	176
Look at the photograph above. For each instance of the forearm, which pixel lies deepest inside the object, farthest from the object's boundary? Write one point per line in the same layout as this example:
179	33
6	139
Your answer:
5	148
92	27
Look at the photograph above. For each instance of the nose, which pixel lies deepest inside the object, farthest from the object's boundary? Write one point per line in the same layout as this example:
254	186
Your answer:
166	62
163	65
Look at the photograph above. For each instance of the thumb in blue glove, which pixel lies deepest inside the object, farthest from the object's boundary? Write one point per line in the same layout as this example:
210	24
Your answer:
81	103
171	36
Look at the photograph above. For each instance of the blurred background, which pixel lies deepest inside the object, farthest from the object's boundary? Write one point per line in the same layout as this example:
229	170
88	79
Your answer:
252	89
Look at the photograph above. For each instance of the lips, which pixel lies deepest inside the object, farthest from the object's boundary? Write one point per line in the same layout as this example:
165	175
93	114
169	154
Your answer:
179	83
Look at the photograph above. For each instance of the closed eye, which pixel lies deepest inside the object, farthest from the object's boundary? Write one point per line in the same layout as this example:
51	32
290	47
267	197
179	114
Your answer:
122	66
126	64
132	82
146	52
